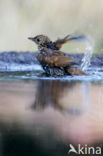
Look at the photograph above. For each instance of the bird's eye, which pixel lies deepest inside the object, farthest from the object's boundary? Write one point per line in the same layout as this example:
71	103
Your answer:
38	40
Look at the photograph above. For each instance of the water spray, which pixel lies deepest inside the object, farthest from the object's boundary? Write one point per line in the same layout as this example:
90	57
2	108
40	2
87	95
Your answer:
86	61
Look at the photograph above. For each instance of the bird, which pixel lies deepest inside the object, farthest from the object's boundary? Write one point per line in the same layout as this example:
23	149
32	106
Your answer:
54	61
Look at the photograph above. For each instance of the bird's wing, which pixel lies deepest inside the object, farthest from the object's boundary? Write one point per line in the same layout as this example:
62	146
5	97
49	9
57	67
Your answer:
61	61
75	36
59	42
54	58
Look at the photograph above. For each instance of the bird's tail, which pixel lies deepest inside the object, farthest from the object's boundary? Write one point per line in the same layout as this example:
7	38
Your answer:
75	71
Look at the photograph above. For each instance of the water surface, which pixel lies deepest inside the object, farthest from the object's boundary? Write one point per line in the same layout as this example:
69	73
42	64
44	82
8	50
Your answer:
42	116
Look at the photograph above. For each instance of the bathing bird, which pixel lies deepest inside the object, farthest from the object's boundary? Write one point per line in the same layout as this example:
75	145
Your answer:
54	61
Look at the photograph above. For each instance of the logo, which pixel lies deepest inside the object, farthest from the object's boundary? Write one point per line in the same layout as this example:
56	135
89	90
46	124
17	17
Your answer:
84	149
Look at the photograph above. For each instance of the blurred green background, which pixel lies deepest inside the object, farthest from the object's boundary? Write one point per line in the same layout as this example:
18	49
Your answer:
20	19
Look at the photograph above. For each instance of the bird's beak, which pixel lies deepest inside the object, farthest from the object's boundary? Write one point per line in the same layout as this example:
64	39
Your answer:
31	38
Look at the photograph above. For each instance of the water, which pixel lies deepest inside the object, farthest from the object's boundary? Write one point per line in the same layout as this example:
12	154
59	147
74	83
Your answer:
30	73
86	61
42	117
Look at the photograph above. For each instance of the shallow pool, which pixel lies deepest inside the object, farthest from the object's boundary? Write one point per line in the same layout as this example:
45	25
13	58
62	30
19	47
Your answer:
45	115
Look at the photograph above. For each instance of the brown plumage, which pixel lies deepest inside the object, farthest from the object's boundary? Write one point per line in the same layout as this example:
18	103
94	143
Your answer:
75	71
53	58
53	61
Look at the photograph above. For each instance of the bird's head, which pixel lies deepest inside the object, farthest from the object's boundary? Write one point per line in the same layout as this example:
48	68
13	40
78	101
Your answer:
41	40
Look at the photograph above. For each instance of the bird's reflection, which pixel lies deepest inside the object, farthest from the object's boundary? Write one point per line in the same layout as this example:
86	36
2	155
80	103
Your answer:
52	93
49	93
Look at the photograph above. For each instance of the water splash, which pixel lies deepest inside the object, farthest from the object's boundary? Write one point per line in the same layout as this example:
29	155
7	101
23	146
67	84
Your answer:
86	61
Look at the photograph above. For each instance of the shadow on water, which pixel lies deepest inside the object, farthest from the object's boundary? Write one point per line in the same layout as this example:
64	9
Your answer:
42	117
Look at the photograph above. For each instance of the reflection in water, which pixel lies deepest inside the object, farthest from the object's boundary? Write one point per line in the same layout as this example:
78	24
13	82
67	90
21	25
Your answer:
41	117
50	93
60	95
